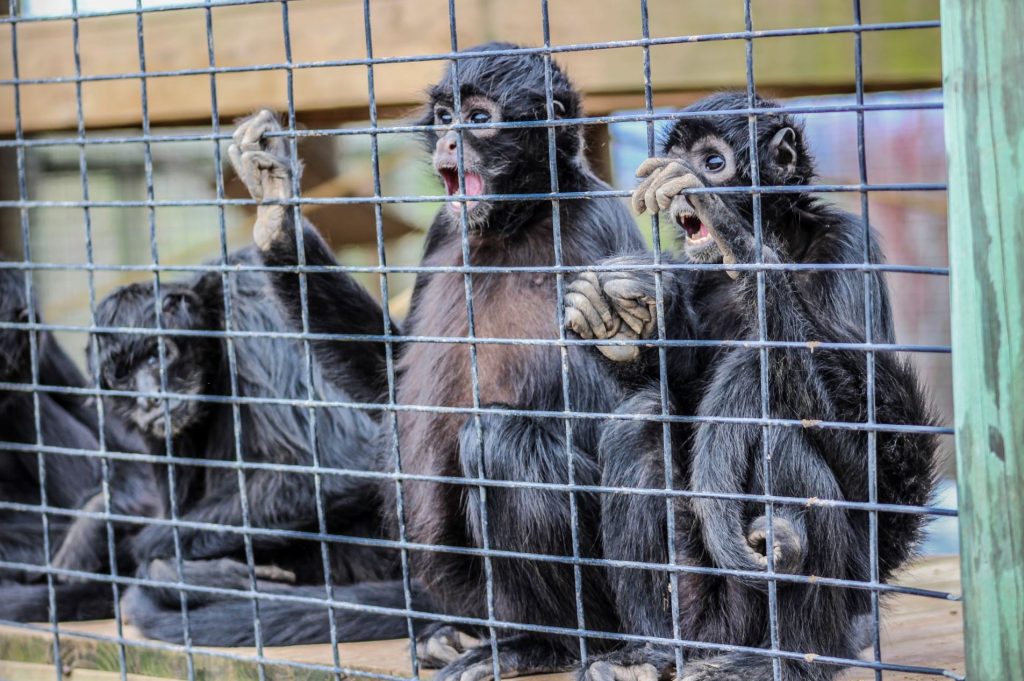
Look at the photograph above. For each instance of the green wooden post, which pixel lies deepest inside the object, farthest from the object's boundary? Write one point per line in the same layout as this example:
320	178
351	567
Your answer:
983	79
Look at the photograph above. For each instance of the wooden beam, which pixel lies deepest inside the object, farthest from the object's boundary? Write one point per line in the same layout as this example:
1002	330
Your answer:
983	61
330	30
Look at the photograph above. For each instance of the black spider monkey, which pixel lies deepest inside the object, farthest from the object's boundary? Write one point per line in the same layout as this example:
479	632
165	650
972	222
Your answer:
492	88
199	366
67	421
808	305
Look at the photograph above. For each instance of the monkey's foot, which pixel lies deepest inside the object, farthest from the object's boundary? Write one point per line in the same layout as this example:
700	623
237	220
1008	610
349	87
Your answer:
263	164
437	647
517	656
636	662
223	573
731	668
787	544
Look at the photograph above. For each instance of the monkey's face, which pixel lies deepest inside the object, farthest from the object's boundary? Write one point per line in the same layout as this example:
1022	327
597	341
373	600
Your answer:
477	175
712	161
131	362
134	366
715	146
14	343
500	89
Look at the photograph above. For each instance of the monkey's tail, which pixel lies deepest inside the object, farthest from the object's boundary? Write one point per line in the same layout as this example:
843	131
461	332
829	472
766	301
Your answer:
228	622
725	542
76	601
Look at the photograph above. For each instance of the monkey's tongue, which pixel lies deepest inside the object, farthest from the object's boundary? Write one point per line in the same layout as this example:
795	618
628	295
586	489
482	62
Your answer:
695	229
474	187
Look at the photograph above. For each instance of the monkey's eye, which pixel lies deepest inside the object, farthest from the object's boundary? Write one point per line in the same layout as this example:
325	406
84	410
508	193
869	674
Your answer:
714	162
479	116
442	116
117	369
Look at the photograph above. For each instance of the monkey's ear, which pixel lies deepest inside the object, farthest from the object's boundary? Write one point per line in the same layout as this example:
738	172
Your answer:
783	151
177	303
559	108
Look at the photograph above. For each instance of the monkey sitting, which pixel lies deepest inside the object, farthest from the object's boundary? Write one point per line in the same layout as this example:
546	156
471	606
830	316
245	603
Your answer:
719	458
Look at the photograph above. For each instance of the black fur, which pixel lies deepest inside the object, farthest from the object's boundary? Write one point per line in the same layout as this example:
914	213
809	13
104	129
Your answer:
727	458
507	305
280	434
72	481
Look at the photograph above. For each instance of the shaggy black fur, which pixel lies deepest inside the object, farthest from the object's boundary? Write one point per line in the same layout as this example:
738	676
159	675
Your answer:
72	481
264	368
507	305
803	383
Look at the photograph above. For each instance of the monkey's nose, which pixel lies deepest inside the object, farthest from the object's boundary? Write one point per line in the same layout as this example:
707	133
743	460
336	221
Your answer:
452	145
146	402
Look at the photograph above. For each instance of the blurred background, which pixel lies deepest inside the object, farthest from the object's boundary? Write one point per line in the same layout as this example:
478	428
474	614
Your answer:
329	89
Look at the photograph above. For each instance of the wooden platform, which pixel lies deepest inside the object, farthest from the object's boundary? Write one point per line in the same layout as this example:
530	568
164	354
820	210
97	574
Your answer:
916	631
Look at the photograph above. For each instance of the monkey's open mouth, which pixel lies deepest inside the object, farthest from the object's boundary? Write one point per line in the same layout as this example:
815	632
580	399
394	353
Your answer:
474	185
696	231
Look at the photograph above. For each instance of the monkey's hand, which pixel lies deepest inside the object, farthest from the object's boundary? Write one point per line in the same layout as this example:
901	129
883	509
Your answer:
80	549
612	305
589	315
263	164
663	179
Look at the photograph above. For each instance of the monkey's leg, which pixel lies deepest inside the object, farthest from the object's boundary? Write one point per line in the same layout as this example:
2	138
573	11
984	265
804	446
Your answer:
812	621
528	520
21	541
634	527
84	546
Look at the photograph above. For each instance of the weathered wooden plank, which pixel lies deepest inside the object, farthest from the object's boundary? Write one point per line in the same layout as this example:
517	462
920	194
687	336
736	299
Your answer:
916	631
330	30
983	63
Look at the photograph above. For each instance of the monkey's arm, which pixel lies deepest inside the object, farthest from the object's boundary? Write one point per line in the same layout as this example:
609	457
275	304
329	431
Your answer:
622	305
335	303
823	385
275	501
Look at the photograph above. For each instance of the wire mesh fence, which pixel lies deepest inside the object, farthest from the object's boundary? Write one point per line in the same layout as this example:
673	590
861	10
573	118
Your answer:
267	453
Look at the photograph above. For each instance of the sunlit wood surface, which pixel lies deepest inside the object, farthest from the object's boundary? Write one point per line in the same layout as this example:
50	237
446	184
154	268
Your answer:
916	631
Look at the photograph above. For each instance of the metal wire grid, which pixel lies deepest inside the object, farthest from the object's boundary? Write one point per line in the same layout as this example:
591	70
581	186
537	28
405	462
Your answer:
391	408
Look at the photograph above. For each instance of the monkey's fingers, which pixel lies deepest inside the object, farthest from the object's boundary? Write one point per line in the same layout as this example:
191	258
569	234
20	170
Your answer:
671	188
245	173
598	327
666	174
638	318
272	573
640	193
621	353
251	133
724	247
652	164
272	172
588	285
621	286
576	322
